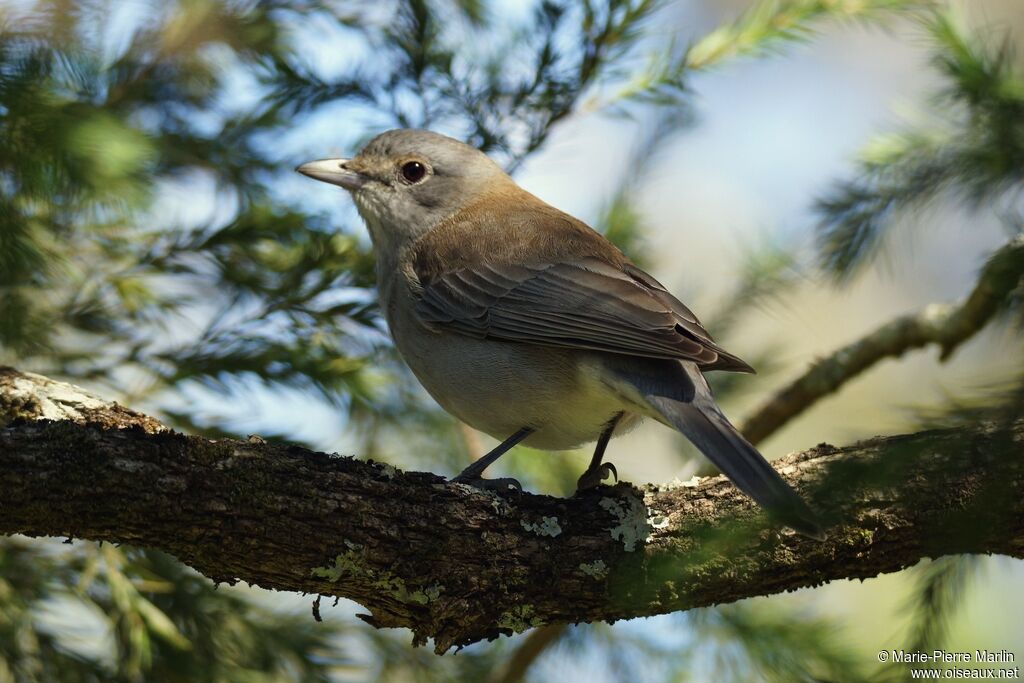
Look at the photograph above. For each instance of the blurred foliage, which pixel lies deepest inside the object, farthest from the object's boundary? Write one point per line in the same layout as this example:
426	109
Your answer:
941	586
766	27
500	90
1000	401
751	641
149	244
99	613
969	147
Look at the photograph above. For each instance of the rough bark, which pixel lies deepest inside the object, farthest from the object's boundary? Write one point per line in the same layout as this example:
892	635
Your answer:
459	565
945	325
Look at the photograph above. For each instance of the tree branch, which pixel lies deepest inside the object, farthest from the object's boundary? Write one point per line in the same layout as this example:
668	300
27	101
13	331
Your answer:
946	325
459	565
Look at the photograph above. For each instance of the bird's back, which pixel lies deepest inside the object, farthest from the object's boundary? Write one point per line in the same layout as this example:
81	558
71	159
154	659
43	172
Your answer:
508	225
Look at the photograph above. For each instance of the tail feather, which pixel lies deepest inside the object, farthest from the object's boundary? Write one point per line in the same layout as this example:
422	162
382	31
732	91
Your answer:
703	423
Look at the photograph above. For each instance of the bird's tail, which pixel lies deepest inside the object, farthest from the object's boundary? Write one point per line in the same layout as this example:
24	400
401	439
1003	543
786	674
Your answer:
701	421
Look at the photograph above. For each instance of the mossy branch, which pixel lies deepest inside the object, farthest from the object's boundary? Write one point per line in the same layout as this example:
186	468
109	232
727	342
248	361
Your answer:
458	565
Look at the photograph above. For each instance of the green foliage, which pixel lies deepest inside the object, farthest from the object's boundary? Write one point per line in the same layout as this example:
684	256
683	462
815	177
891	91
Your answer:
27	652
766	27
941	586
1000	402
93	286
771	24
165	623
971	148
502	90
754	641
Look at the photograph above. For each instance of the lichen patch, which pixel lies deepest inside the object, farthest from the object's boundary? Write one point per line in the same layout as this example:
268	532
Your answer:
519	618
351	564
596	569
547	526
631	515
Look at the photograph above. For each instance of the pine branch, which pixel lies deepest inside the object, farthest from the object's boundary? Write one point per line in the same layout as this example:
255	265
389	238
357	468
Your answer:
945	325
458	565
767	26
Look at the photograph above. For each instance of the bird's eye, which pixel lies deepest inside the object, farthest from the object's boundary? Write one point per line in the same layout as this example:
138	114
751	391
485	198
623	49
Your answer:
413	171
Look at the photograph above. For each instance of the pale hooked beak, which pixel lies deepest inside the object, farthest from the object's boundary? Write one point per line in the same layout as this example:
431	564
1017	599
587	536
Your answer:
333	171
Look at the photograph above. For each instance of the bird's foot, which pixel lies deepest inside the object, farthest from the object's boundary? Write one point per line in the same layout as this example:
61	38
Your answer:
499	485
595	476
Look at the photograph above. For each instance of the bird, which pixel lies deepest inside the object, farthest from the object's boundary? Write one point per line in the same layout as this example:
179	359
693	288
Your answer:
528	325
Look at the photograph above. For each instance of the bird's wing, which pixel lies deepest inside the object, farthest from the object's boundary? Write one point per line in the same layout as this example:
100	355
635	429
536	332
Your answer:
585	303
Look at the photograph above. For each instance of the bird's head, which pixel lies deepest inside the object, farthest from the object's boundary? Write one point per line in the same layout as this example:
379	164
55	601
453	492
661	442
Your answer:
404	182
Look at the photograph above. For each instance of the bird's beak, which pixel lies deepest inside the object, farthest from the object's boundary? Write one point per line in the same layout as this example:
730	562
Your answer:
333	171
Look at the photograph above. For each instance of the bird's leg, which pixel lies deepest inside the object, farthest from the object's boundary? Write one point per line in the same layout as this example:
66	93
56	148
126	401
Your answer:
472	474
598	471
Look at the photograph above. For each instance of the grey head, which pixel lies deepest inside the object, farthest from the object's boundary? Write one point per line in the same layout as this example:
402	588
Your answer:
405	182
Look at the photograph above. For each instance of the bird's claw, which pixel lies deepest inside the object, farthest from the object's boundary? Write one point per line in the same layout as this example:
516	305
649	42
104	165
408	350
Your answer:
596	476
499	485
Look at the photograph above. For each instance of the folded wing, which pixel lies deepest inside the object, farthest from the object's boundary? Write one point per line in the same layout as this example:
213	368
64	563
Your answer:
585	303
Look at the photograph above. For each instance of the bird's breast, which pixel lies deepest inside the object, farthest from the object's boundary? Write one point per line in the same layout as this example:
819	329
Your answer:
499	387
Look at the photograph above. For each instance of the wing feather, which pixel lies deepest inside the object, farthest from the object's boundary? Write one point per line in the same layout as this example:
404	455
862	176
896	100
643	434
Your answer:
586	303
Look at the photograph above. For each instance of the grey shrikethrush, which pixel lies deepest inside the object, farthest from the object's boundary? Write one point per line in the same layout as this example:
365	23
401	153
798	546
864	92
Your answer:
526	324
